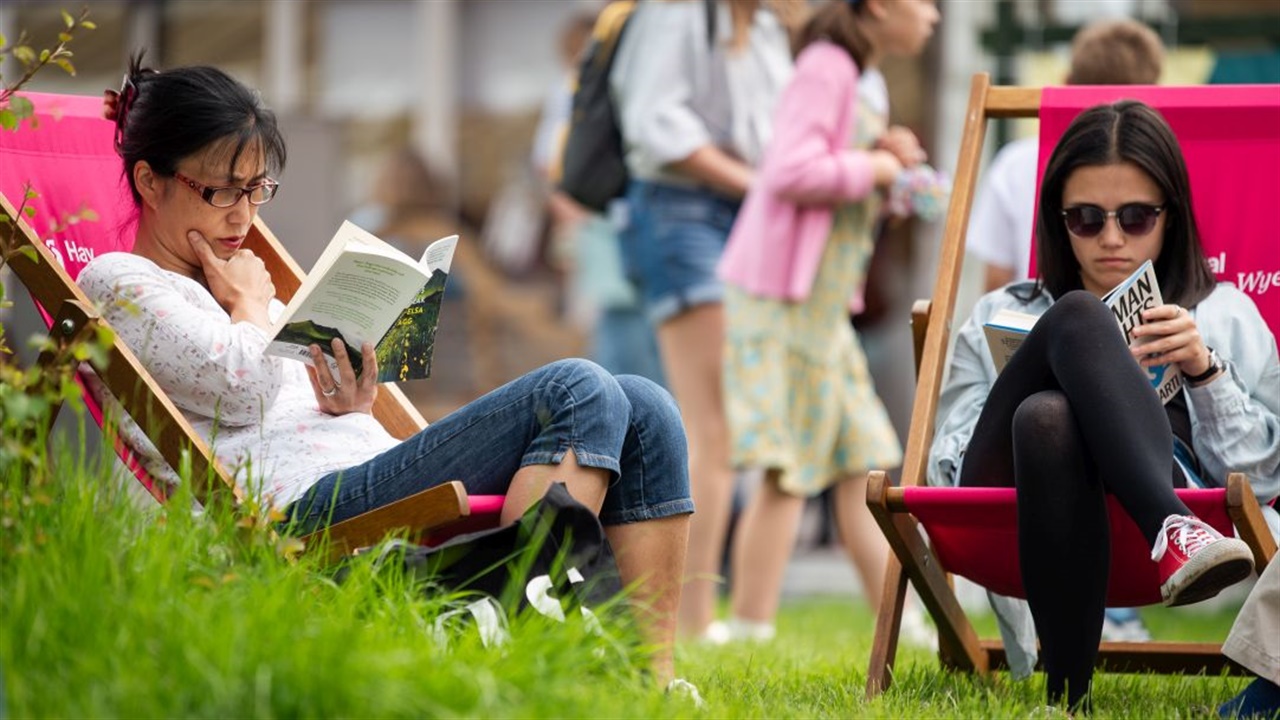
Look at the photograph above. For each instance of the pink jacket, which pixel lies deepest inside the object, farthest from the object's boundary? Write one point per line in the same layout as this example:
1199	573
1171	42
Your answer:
808	169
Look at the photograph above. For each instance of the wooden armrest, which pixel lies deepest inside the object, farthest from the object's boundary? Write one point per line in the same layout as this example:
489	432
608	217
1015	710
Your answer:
417	513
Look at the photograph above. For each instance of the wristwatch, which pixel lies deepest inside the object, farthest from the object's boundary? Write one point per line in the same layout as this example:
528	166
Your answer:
1215	365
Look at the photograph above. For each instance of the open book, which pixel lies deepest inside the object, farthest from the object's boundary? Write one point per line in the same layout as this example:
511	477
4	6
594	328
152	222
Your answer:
364	290
1140	291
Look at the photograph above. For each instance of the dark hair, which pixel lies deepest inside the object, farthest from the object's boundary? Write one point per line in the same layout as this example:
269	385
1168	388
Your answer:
1126	131
837	22
163	117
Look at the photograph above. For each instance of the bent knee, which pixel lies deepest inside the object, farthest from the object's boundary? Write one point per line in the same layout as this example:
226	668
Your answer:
1045	417
588	384
652	405
1077	315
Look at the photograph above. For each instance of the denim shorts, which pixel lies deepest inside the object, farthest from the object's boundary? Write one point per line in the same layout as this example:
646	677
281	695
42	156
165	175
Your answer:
627	425
671	245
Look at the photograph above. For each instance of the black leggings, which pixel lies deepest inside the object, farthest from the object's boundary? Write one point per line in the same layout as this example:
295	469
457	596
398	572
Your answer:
1071	418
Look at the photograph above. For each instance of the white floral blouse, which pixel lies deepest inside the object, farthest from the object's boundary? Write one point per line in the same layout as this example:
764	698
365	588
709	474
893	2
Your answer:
257	412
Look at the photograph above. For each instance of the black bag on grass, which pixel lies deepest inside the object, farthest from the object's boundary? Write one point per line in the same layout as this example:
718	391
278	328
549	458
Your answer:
556	555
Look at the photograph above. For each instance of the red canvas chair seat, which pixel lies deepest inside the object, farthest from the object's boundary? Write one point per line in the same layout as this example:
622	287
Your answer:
70	161
974	533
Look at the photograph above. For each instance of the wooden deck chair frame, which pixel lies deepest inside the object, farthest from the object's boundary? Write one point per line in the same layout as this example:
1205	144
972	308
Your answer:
73	316
959	645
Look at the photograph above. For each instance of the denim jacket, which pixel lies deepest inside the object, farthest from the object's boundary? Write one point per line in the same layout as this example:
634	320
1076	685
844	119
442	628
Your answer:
1235	419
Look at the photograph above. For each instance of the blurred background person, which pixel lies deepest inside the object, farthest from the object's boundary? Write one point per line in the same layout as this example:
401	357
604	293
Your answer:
801	404
585	244
695	83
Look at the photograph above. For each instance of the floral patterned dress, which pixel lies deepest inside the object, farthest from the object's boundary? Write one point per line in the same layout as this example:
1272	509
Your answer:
800	399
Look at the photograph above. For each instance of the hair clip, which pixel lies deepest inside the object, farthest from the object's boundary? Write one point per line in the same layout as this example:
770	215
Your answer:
117	104
128	92
110	104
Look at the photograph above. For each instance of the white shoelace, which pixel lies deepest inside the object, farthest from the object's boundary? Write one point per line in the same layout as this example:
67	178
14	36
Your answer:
1189	534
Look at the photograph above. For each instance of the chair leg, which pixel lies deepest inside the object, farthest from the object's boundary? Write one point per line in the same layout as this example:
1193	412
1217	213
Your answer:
884	649
958	645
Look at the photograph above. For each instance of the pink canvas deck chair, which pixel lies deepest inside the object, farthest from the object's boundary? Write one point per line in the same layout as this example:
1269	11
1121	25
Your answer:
1231	139
69	160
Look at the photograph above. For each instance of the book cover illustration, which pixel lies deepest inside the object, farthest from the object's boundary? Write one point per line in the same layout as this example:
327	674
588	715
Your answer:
404	353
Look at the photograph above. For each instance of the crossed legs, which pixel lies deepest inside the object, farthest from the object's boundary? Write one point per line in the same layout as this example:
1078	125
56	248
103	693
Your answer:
1071	418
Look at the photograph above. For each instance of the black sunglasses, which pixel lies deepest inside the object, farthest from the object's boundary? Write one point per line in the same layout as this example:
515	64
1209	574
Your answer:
1134	219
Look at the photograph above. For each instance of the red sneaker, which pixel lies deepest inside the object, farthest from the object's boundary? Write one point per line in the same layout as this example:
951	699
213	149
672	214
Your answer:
1196	561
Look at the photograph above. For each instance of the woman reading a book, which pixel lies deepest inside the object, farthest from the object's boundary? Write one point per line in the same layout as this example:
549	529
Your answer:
200	153
1073	415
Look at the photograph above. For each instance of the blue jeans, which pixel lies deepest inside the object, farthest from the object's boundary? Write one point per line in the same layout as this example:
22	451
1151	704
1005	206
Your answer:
626	425
672	243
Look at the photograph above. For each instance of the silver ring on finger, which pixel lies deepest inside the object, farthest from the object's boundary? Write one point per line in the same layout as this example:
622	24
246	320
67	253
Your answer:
331	391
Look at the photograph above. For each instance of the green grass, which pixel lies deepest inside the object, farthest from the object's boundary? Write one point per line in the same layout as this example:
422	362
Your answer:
817	668
109	611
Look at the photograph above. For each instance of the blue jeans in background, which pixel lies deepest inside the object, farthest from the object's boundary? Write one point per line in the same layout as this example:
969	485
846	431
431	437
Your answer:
622	340
626	425
672	243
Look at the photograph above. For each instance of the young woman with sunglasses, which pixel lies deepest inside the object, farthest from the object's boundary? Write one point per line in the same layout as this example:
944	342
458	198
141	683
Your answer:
200	152
1073	416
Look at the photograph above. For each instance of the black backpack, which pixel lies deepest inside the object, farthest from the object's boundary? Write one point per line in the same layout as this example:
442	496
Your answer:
593	166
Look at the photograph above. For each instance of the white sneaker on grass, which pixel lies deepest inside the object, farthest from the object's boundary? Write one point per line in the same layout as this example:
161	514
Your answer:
750	631
717	633
736	630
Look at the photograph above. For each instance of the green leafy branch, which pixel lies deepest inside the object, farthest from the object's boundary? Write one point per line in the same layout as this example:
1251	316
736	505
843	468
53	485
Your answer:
29	395
15	108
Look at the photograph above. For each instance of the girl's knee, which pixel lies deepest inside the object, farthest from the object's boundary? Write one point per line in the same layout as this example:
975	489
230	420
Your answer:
1044	427
1080	312
1048	411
